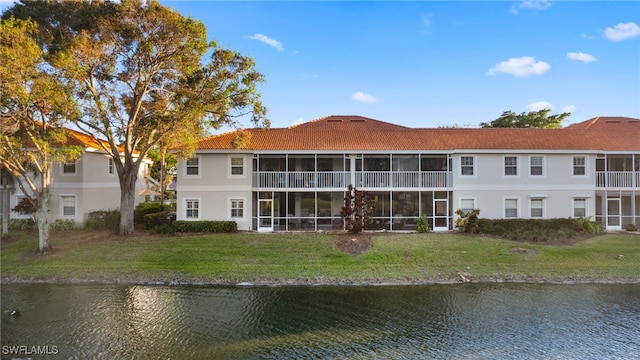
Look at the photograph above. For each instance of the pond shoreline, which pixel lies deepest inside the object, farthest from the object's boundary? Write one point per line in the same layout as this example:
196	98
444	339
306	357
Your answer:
313	283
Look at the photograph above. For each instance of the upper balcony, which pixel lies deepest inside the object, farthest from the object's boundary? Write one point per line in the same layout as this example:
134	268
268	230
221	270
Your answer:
342	179
337	171
618	179
618	171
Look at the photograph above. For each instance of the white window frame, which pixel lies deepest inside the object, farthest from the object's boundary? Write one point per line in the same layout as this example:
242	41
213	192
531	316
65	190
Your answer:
541	166
474	201
65	173
62	207
186	202
510	166
586	207
232	166
541	207
111	166
504	205
187	167
231	207
473	166
573	166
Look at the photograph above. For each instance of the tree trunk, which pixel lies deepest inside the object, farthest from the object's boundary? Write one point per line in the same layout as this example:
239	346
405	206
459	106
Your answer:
6	208
163	177
127	201
42	216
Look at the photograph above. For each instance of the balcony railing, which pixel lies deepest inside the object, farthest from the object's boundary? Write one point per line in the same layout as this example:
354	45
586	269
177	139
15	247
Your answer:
618	179
341	179
301	179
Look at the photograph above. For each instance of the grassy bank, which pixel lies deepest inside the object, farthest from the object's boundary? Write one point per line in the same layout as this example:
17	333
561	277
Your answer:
312	258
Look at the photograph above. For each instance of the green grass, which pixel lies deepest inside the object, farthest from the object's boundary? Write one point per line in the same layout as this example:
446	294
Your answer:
310	257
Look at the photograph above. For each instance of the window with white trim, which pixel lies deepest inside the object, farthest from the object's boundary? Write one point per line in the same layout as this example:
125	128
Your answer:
192	166
510	208
67	205
467	165
110	167
579	166
237	208
579	207
537	208
536	166
69	168
510	166
237	166
192	208
467	204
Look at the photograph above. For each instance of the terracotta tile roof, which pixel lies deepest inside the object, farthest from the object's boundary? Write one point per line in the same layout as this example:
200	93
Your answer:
356	133
77	138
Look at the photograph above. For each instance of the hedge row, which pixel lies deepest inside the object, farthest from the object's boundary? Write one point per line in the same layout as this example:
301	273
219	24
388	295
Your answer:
145	208
205	226
538	230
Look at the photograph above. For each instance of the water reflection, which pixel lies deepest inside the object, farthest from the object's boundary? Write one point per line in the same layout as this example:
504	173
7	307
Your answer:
505	321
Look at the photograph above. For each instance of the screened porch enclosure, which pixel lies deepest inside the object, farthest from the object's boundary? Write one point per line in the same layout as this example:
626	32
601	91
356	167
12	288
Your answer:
616	209
618	171
337	171
320	211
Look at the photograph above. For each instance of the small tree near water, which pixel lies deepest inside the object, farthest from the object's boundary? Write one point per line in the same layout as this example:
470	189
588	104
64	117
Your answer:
356	210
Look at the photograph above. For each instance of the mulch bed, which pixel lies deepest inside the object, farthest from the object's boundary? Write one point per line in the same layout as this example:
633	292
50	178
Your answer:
353	244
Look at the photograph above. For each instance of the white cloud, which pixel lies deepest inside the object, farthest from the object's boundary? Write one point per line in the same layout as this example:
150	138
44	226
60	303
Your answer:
580	56
359	96
426	19
540	105
530	5
520	67
586	36
569	109
267	40
622	31
297	121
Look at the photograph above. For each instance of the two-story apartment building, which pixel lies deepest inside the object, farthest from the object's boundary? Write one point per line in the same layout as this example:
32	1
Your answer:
295	178
88	184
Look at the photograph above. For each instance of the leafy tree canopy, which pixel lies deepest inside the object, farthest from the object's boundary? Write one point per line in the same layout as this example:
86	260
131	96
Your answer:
139	74
533	119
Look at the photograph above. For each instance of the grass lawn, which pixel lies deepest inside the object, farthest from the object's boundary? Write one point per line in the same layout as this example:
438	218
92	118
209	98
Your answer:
300	258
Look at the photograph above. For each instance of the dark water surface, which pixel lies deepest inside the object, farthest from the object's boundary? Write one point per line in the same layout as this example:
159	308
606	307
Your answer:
472	321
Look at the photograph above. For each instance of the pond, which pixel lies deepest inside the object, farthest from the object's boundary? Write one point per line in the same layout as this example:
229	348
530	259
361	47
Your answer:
461	321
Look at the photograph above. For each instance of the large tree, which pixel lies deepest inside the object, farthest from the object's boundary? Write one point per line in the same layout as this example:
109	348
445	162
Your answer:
532	119
139	76
33	108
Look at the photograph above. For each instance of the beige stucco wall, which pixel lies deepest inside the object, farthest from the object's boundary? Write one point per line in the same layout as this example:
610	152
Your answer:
214	187
92	185
557	186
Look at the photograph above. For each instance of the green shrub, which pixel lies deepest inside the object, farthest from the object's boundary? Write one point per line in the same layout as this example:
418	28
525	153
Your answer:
538	230
145	208
103	220
22	224
165	229
586	225
63	225
155	219
422	224
206	226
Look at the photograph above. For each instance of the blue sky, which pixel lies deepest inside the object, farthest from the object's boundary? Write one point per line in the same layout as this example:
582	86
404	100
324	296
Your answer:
433	63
